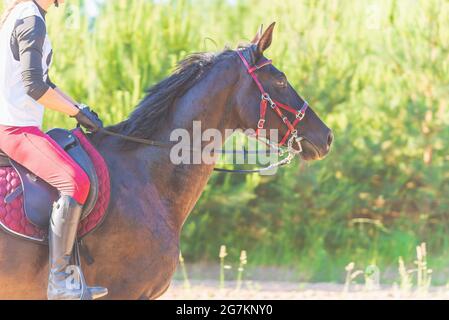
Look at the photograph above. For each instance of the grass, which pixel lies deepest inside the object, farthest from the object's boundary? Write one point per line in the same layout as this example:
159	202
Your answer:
241	269
222	257
358	284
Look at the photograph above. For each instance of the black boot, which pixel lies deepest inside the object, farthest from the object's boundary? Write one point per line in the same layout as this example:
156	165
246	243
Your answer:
66	282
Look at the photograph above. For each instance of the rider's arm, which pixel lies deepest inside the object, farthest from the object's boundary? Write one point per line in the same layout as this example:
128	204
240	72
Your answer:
30	34
66	96
62	93
52	99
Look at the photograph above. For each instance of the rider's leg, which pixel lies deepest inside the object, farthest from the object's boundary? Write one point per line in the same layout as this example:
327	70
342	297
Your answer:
36	151
62	235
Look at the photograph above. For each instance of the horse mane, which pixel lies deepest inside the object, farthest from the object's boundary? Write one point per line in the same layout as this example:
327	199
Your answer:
152	112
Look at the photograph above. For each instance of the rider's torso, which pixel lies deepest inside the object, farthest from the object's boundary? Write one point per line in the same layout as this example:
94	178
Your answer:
17	108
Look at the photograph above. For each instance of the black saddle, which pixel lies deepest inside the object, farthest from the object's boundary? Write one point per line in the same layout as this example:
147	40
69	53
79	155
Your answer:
39	196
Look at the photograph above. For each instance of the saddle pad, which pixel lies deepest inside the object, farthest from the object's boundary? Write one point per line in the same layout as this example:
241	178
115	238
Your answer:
12	215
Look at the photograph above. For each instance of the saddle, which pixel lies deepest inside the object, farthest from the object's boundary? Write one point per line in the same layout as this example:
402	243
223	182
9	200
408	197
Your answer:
26	201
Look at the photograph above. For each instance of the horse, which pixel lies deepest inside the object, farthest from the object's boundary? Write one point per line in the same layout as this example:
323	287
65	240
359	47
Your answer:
136	249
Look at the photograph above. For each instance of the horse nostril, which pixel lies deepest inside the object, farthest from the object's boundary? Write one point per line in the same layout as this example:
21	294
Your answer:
330	139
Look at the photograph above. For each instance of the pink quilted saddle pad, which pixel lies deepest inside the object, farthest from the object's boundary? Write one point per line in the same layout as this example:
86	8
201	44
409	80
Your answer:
13	218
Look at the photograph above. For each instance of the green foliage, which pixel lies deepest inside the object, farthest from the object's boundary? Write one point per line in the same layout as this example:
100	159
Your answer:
377	72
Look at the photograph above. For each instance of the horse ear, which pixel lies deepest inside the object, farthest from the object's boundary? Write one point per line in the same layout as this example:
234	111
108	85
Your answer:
266	39
258	35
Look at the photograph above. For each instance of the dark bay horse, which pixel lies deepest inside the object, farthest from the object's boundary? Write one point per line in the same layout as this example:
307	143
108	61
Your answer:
136	249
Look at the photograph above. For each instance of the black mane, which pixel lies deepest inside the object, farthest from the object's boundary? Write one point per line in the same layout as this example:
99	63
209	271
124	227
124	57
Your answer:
151	113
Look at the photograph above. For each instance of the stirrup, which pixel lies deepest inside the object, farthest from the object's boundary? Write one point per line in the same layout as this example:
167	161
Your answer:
76	287
88	293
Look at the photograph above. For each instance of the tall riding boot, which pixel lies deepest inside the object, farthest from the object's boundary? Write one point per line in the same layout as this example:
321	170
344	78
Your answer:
66	282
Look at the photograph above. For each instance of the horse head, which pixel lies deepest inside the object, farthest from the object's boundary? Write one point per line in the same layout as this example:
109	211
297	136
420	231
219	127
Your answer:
266	100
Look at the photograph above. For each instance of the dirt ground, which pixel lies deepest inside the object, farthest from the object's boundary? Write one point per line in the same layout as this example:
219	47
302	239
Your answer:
279	283
205	290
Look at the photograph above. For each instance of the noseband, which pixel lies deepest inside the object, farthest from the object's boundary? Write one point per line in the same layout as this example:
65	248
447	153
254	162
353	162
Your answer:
292	133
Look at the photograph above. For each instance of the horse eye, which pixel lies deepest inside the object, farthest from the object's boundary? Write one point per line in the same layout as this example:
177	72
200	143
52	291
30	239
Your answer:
282	83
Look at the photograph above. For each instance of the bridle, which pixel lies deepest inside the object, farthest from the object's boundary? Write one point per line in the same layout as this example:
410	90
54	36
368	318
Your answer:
292	133
290	137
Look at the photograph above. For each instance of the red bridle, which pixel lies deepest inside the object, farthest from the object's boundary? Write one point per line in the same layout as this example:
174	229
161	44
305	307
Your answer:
275	105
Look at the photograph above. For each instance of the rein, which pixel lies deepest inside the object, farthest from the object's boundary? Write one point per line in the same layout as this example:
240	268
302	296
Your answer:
136	140
290	137
149	142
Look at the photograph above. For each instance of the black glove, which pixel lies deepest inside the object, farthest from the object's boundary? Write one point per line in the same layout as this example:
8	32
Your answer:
88	119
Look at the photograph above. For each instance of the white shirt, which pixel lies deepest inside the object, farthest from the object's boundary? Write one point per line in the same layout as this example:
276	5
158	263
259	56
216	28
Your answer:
17	108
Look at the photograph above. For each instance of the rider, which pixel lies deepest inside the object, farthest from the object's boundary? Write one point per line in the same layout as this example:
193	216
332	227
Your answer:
25	89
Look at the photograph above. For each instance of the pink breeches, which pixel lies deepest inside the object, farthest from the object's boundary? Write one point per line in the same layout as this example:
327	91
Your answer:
37	152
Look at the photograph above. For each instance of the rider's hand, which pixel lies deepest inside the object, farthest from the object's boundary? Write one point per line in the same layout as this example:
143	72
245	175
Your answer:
88	119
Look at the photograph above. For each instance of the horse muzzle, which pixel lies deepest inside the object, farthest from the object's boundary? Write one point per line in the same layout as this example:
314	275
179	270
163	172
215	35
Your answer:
312	151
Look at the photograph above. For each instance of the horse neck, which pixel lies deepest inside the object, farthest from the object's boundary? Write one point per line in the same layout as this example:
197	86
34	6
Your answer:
178	187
